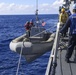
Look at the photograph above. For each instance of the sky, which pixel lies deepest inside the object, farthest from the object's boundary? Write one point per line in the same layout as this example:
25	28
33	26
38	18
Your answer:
9	7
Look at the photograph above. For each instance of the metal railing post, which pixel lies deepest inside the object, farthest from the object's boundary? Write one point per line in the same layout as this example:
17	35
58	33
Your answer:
53	56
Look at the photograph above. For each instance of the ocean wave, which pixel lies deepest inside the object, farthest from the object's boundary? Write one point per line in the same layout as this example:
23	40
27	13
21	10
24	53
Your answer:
11	27
6	40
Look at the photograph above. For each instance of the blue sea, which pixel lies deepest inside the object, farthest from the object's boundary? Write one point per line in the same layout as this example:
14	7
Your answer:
12	26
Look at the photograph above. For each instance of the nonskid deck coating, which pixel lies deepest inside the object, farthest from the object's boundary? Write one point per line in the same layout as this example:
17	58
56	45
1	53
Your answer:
64	68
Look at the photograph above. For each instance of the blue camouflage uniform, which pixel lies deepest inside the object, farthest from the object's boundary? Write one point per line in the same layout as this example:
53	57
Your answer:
71	23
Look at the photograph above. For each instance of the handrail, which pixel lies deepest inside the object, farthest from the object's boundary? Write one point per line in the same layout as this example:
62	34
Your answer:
53	56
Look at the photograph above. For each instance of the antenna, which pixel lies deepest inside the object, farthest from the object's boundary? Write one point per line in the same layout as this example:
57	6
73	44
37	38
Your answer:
37	4
36	10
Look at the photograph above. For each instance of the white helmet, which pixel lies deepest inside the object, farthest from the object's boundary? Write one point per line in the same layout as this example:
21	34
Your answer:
74	6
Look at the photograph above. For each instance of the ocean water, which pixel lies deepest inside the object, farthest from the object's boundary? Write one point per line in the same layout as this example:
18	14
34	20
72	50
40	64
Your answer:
12	26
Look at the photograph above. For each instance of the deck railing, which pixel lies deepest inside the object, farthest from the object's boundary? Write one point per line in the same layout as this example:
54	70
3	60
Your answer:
53	56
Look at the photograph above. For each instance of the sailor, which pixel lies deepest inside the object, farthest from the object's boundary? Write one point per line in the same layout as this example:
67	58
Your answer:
27	27
63	18
60	9
68	12
71	23
31	23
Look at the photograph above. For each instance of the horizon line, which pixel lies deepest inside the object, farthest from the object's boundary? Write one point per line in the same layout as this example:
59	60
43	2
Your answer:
28	14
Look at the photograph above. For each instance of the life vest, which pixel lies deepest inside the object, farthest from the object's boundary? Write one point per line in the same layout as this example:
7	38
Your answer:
27	26
73	24
63	17
31	24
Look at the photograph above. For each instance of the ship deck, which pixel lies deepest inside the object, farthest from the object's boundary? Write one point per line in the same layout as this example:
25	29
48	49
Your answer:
64	68
57	64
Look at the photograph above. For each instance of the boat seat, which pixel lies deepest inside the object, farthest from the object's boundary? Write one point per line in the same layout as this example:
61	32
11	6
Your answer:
36	39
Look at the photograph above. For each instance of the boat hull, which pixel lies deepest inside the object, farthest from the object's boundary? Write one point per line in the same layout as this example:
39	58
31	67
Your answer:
32	49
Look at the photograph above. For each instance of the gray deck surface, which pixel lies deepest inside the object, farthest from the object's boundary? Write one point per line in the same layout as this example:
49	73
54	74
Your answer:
64	68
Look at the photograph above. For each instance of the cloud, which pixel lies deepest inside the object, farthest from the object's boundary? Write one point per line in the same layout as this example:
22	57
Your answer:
51	8
44	8
55	6
57	3
15	8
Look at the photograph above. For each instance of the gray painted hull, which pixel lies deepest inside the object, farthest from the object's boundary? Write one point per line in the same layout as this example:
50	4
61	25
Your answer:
31	49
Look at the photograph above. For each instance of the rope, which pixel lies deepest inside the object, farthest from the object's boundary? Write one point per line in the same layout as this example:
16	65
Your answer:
41	32
20	58
61	63
22	48
70	69
61	56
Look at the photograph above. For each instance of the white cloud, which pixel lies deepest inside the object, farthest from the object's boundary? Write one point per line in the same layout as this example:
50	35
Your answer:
55	5
44	8
15	8
51	8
